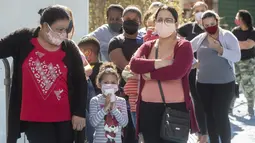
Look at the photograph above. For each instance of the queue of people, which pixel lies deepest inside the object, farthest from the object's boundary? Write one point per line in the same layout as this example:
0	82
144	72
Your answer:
122	83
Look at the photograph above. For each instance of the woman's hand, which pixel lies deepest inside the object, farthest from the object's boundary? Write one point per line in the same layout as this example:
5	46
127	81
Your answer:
107	104
159	63
215	44
78	123
147	76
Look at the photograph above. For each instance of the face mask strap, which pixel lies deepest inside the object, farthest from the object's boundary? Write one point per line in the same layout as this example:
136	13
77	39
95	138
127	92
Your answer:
49	27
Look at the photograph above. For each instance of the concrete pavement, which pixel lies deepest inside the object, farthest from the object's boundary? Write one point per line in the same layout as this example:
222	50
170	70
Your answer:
243	127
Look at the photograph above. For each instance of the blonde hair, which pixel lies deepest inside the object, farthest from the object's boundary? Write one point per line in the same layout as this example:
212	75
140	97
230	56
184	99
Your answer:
199	3
106	69
149	15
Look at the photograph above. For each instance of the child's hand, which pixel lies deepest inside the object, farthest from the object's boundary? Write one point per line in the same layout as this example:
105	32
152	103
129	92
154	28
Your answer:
107	104
127	68
113	105
135	76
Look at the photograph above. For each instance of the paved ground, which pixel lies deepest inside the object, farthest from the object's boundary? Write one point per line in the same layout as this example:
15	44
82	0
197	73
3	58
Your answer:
243	128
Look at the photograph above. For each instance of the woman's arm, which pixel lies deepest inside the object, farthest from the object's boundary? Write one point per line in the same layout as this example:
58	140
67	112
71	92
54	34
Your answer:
116	54
247	44
121	116
95	116
118	58
180	66
232	50
140	65
79	99
9	45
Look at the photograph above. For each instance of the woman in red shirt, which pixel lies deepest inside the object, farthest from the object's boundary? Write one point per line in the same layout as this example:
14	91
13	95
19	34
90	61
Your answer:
171	68
48	98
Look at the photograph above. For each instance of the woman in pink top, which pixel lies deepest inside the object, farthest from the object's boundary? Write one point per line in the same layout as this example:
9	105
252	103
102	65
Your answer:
172	68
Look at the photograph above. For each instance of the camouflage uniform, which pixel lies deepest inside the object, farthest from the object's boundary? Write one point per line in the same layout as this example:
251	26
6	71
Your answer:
245	76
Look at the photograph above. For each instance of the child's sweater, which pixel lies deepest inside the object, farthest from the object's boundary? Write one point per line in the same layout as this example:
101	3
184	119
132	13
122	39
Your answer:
108	126
131	90
150	35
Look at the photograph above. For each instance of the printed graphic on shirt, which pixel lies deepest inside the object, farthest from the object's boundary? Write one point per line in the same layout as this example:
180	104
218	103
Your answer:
57	93
111	127
44	74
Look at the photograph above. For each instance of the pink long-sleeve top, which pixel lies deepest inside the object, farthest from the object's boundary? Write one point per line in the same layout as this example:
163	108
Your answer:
179	69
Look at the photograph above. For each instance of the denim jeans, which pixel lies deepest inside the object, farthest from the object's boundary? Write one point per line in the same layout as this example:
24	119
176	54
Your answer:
133	116
89	129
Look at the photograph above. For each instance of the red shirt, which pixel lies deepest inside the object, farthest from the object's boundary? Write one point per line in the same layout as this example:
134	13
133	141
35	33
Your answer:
44	87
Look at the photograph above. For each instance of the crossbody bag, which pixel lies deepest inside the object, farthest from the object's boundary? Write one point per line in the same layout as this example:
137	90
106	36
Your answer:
175	125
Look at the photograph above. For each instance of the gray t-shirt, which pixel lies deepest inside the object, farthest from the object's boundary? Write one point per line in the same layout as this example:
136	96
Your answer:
213	68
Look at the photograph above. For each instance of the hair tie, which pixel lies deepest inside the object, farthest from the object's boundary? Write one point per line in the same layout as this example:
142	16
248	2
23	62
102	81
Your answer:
108	69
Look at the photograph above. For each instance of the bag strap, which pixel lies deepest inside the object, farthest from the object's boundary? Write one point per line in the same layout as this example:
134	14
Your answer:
159	83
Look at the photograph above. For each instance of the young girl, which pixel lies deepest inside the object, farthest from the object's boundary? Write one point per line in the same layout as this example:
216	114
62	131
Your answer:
108	112
150	27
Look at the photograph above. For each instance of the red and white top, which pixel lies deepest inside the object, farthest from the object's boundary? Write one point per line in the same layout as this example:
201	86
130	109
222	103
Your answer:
44	87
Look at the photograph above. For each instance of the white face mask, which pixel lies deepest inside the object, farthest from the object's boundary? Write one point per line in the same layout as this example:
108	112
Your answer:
165	30
56	38
109	89
198	16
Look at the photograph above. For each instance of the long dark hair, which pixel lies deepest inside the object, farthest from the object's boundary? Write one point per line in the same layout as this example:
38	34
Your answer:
172	10
53	13
246	17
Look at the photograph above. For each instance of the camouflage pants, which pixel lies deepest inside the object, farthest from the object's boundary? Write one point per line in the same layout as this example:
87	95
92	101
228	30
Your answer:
245	76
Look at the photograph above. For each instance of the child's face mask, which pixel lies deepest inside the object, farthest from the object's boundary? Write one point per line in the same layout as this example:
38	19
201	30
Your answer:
109	89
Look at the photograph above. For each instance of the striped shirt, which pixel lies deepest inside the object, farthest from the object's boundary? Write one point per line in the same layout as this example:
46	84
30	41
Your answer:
131	90
107	130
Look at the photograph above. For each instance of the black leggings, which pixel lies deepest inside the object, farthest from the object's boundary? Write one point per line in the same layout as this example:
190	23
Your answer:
59	132
150	120
199	109
216	100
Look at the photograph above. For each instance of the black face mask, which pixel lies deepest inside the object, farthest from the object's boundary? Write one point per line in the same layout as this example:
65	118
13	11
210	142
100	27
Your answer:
116	27
130	26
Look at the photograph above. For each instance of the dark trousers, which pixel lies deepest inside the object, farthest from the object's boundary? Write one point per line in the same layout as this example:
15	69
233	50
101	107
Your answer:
150	120
129	131
89	129
199	109
59	132
216	99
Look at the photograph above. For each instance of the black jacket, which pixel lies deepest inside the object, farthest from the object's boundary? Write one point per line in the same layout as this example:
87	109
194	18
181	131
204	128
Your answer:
17	45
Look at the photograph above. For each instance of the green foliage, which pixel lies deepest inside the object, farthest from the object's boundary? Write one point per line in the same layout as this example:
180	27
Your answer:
97	9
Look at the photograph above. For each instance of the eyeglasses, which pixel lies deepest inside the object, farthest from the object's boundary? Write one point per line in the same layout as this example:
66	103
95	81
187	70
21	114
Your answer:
166	20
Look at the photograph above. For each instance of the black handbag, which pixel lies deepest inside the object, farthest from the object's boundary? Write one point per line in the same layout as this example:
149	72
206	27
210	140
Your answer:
175	125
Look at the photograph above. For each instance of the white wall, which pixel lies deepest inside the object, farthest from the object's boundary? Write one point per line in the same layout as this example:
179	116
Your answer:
16	14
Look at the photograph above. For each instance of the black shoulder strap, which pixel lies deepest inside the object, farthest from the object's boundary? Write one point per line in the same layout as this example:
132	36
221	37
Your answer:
159	83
